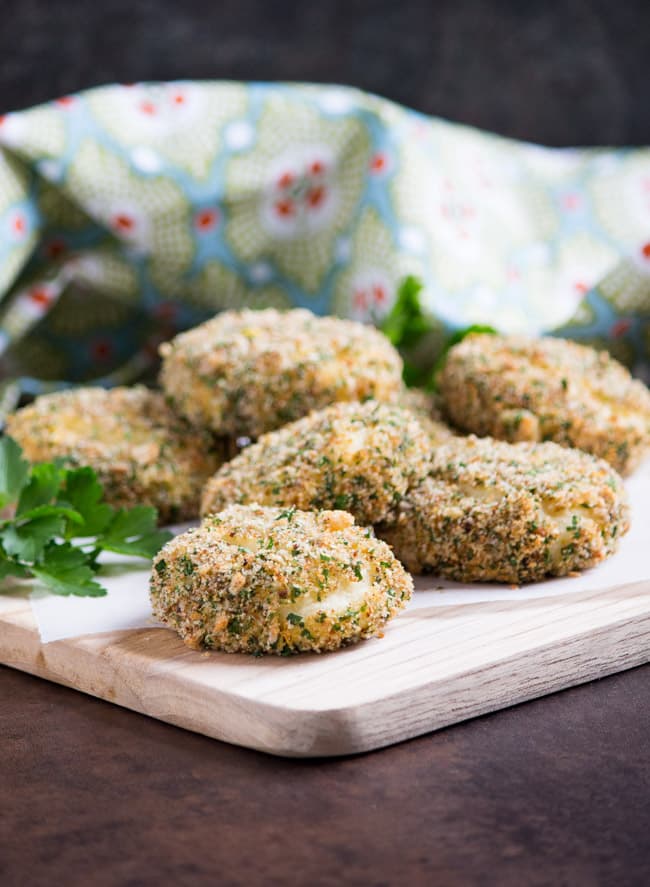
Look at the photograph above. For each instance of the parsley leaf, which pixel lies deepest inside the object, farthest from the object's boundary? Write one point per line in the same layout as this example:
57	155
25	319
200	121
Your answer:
10	567
83	492
42	487
134	532
14	471
61	524
64	570
25	540
406	322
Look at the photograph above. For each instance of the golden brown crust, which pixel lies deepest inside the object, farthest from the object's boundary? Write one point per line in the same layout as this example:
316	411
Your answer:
517	388
358	457
142	452
494	511
426	407
268	580
247	372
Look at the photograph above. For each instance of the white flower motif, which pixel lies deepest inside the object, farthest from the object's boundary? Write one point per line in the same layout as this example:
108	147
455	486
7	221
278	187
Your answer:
17	224
336	101
13	128
412	239
146	159
301	194
126	219
372	294
239	135
182	122
154	112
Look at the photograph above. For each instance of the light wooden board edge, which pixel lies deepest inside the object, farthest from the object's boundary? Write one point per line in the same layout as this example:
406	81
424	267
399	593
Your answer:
294	732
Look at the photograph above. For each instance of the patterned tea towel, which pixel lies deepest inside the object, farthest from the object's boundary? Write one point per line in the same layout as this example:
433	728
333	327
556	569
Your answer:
130	212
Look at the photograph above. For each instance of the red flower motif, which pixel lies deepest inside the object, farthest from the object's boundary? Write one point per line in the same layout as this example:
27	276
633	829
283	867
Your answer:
285	208
19	224
378	163
360	299
65	101
571	201
379	294
286	180
317	168
41	296
206	219
148	107
123	222
178	98
315	196
645	250
619	328
581	287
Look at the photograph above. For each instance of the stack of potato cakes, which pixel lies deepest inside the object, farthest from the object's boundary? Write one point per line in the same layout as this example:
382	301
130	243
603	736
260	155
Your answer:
348	478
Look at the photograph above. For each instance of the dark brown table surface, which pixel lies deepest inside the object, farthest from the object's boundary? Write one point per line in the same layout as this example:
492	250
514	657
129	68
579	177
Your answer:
554	792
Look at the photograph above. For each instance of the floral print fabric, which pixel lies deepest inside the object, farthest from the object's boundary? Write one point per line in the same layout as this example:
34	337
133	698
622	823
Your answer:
131	212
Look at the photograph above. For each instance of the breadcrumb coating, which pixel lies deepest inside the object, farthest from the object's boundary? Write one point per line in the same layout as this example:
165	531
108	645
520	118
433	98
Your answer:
142	452
357	457
247	372
426	407
495	511
267	580
517	388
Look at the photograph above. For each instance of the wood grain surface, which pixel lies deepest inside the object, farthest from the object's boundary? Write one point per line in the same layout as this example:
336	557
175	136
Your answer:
553	792
432	668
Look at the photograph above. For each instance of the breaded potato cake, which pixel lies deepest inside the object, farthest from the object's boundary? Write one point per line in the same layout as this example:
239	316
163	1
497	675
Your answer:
247	372
426	407
142	452
517	388
495	511
266	580
357	457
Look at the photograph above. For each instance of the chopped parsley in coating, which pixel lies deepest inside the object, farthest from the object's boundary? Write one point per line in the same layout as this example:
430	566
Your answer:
494	511
324	583
142	452
518	388
356	457
247	372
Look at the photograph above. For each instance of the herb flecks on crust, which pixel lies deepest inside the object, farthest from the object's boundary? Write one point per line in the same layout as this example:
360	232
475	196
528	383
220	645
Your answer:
142	452
494	511
357	457
247	372
271	580
517	388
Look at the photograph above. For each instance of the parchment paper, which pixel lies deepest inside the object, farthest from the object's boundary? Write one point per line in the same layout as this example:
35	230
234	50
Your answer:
127	603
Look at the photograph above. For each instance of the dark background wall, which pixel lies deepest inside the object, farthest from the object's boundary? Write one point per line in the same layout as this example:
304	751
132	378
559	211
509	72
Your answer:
573	72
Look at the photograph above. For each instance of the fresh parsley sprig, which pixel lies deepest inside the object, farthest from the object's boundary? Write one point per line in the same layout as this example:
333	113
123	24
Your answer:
407	323
57	524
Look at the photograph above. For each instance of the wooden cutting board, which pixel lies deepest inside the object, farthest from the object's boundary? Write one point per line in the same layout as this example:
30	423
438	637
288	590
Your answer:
433	667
